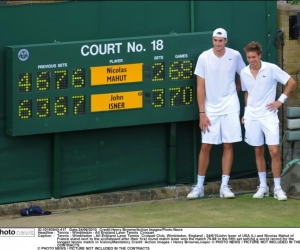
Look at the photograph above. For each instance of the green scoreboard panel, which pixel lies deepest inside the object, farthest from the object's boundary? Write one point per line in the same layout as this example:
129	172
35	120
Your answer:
68	86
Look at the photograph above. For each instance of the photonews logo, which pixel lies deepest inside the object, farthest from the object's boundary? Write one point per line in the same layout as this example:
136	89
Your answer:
7	232
17	232
23	55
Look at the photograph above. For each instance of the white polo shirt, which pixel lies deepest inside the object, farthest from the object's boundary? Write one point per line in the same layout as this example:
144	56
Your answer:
262	89
219	74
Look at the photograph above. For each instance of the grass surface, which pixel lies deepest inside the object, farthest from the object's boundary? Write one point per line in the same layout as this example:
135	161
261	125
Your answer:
243	211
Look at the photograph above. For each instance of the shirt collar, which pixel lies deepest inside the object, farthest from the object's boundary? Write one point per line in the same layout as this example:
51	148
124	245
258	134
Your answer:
262	67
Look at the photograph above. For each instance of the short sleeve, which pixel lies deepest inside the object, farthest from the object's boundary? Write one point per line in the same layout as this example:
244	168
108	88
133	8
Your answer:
242	77
240	64
200	66
280	75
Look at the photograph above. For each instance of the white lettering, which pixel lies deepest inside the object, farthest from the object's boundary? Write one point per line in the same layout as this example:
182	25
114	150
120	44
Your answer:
134	47
118	47
94	49
101	49
47	66
139	47
62	65
111	47
158	58
131	47
116	61
181	56
82	52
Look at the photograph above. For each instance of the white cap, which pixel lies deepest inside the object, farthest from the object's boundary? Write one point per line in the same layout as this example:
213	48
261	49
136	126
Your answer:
219	32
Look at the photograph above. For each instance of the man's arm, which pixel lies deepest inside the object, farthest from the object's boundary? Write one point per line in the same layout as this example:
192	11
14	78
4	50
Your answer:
240	65
288	89
238	84
289	86
204	121
245	101
246	98
201	93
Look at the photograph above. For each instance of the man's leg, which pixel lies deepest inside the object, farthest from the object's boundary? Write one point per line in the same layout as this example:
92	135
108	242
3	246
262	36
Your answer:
261	165
231	132
208	139
270	127
254	136
203	162
276	161
263	189
227	160
260	158
203	159
279	194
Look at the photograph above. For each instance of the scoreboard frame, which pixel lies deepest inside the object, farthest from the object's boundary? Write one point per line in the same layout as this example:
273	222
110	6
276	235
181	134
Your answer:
81	85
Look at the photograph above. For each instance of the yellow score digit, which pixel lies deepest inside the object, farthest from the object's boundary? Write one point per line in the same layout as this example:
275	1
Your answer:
158	98
78	104
158	72
187	95
43	81
181	70
78	78
187	69
25	109
61	79
174	71
181	96
61	106
174	93
25	82
43	107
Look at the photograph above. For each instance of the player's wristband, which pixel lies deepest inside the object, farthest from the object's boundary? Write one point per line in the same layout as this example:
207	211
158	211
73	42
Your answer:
282	98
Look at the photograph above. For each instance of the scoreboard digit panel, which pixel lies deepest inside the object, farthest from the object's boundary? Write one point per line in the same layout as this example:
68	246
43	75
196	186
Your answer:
69	86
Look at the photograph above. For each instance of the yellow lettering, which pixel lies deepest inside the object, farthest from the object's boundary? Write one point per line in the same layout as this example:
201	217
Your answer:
61	79
60	106
25	82
25	109
78	78
43	107
43	81
78	104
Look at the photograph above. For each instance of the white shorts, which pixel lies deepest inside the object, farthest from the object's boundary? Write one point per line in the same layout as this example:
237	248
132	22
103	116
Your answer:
267	127
223	129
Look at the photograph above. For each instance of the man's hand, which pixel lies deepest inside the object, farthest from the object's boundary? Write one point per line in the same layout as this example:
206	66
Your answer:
274	106
243	120
204	123
238	86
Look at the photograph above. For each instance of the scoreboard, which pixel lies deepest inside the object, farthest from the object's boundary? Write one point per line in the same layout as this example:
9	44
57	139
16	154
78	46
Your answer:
81	85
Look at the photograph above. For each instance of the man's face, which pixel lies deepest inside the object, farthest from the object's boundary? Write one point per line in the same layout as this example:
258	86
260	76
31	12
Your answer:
253	58
219	43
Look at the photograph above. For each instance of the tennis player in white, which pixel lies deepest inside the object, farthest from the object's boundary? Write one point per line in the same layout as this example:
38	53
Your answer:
259	81
219	108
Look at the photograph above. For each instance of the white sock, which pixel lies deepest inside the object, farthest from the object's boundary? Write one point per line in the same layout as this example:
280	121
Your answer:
277	182
200	181
225	180
262	179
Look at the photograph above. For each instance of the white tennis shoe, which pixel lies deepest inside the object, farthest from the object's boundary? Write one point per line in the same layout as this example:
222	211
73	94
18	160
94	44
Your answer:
196	192
261	192
225	192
